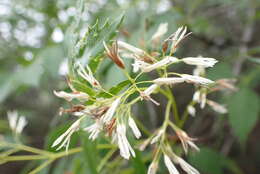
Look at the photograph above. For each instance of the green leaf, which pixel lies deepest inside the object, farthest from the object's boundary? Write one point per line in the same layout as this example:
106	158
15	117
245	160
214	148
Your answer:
243	112
208	161
79	86
51	57
29	76
90	47
116	89
220	70
138	163
90	153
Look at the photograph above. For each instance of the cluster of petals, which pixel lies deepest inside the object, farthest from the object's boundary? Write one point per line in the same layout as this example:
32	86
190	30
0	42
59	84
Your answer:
16	123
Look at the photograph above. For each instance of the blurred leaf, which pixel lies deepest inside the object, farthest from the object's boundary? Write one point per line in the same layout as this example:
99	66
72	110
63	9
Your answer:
243	112
255	60
83	88
90	153
208	161
220	70
52	56
138	163
29	76
114	76
116	89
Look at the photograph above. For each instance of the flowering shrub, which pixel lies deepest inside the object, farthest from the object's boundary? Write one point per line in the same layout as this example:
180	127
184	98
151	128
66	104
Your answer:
109	112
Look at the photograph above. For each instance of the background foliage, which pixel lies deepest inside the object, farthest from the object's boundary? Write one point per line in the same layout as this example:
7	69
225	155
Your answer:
36	38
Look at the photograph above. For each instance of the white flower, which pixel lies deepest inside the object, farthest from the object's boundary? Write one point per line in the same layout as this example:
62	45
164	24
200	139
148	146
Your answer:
200	61
134	127
168	80
139	64
70	96
150	90
185	166
88	76
64	139
171	168
186	140
16	123
200	97
191	110
110	112
162	29
153	167
196	79
199	71
94	129
217	107
131	48
163	62
157	137
125	148
177	37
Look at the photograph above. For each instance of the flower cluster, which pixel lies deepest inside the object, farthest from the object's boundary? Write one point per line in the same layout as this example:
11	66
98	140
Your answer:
112	116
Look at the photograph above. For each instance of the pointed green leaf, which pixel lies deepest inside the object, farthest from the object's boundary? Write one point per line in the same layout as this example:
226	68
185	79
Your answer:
243	112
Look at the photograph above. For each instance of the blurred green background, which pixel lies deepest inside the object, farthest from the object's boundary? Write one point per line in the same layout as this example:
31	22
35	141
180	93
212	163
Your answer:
34	51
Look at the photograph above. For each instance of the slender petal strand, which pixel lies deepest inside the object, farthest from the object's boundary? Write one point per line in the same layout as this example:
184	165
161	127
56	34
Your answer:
110	113
169	80
134	128
196	79
94	129
191	110
12	118
125	148
64	139
150	90
186	140
70	96
88	76
152	168
157	137
162	29
163	62
171	168
217	107
22	122
200	61
185	166
130	48
16	123
199	71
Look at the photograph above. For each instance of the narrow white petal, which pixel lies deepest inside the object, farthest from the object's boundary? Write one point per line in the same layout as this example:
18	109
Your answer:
66	134
169	80
131	48
110	113
71	96
185	166
157	137
217	107
196	79
171	168
12	118
22	122
163	62
162	29
134	128
200	61
152	168
191	110
150	90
